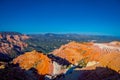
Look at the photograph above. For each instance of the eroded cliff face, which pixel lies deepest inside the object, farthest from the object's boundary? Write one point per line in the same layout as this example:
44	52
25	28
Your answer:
35	60
74	52
111	61
12	44
102	60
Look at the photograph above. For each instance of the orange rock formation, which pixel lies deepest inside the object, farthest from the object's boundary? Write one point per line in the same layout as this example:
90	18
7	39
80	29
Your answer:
7	43
111	61
74	52
35	60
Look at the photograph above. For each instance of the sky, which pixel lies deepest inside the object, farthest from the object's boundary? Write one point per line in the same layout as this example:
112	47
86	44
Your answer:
61	16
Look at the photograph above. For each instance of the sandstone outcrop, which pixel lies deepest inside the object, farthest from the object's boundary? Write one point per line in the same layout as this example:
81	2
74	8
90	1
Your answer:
12	44
74	52
35	60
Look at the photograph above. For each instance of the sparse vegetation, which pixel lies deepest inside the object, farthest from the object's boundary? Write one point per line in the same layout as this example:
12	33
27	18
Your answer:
82	63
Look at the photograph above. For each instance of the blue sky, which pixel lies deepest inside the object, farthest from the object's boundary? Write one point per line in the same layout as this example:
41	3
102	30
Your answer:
61	16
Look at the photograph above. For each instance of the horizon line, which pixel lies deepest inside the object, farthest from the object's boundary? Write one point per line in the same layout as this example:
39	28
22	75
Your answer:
80	33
